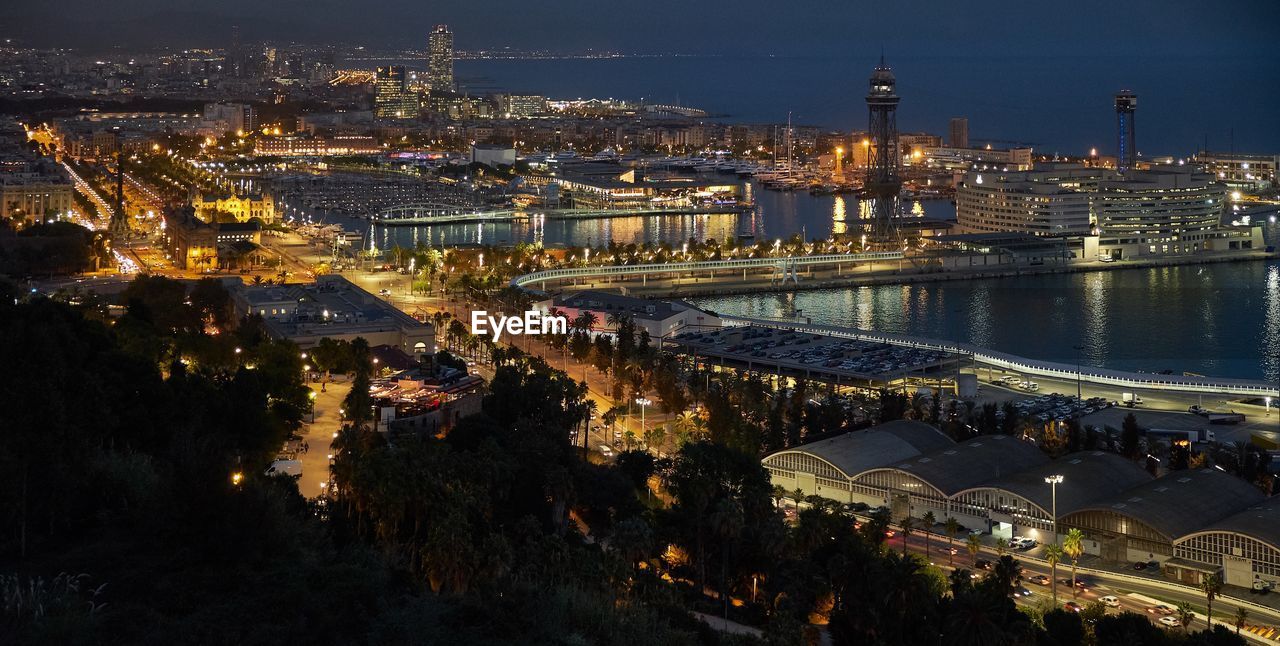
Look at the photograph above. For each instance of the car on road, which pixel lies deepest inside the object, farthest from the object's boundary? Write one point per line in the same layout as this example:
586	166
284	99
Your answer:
1072	606
982	564
1171	622
1039	579
1021	591
1110	601
1080	584
1140	565
1160	609
384	293
606	450
1197	410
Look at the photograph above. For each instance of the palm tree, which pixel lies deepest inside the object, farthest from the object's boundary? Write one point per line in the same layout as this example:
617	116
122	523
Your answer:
1002	547
1186	615
1073	547
726	523
1210	585
1053	554
974	544
929	521
1240	617
953	528
908	525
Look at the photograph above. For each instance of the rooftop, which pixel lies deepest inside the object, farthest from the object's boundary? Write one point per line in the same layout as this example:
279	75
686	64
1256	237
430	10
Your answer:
1261	522
875	447
974	462
1182	502
1087	476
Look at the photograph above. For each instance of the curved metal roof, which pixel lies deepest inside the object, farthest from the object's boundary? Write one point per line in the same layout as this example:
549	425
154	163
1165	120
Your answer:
973	462
1182	502
1260	522
1087	476
878	446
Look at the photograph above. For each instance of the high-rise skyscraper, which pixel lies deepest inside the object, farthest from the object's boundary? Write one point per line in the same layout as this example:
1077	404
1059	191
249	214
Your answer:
883	181
959	132
440	59
1127	146
392	98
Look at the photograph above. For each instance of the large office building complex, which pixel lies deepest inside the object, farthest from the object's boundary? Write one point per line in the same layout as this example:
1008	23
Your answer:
1020	202
392	98
1159	211
440	59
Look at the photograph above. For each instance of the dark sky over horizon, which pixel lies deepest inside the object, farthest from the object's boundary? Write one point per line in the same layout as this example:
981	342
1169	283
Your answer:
922	27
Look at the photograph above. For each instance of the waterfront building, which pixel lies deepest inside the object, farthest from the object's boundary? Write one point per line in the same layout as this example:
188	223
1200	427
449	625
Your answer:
610	186
1245	545
1143	522
194	244
440	59
1157	211
1239	171
1194	521
231	206
660	318
959	133
988	202
308	146
336	308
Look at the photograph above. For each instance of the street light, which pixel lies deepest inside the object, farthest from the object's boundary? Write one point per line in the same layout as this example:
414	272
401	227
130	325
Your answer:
1078	348
1053	482
643	402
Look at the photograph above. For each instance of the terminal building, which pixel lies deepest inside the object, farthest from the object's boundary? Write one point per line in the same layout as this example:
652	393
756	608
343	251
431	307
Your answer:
1194	522
336	308
1158	211
660	318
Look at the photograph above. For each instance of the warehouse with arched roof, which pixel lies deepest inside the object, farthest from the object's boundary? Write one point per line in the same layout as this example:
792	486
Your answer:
1141	523
826	467
1022	503
926	483
1245	545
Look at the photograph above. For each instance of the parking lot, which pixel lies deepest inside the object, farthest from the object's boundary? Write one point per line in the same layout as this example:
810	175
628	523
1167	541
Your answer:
814	354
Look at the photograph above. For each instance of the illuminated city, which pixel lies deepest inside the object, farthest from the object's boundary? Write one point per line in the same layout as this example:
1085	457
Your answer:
569	323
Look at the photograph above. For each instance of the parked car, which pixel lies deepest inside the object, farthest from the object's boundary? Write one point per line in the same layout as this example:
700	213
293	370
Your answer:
1140	565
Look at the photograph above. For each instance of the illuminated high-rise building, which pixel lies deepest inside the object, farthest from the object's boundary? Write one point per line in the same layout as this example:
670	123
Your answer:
1127	145
392	98
440	59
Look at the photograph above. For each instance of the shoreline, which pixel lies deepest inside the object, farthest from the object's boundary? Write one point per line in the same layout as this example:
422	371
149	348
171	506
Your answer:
738	287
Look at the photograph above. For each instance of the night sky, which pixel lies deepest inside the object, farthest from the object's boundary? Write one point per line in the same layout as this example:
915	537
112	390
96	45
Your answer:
747	26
